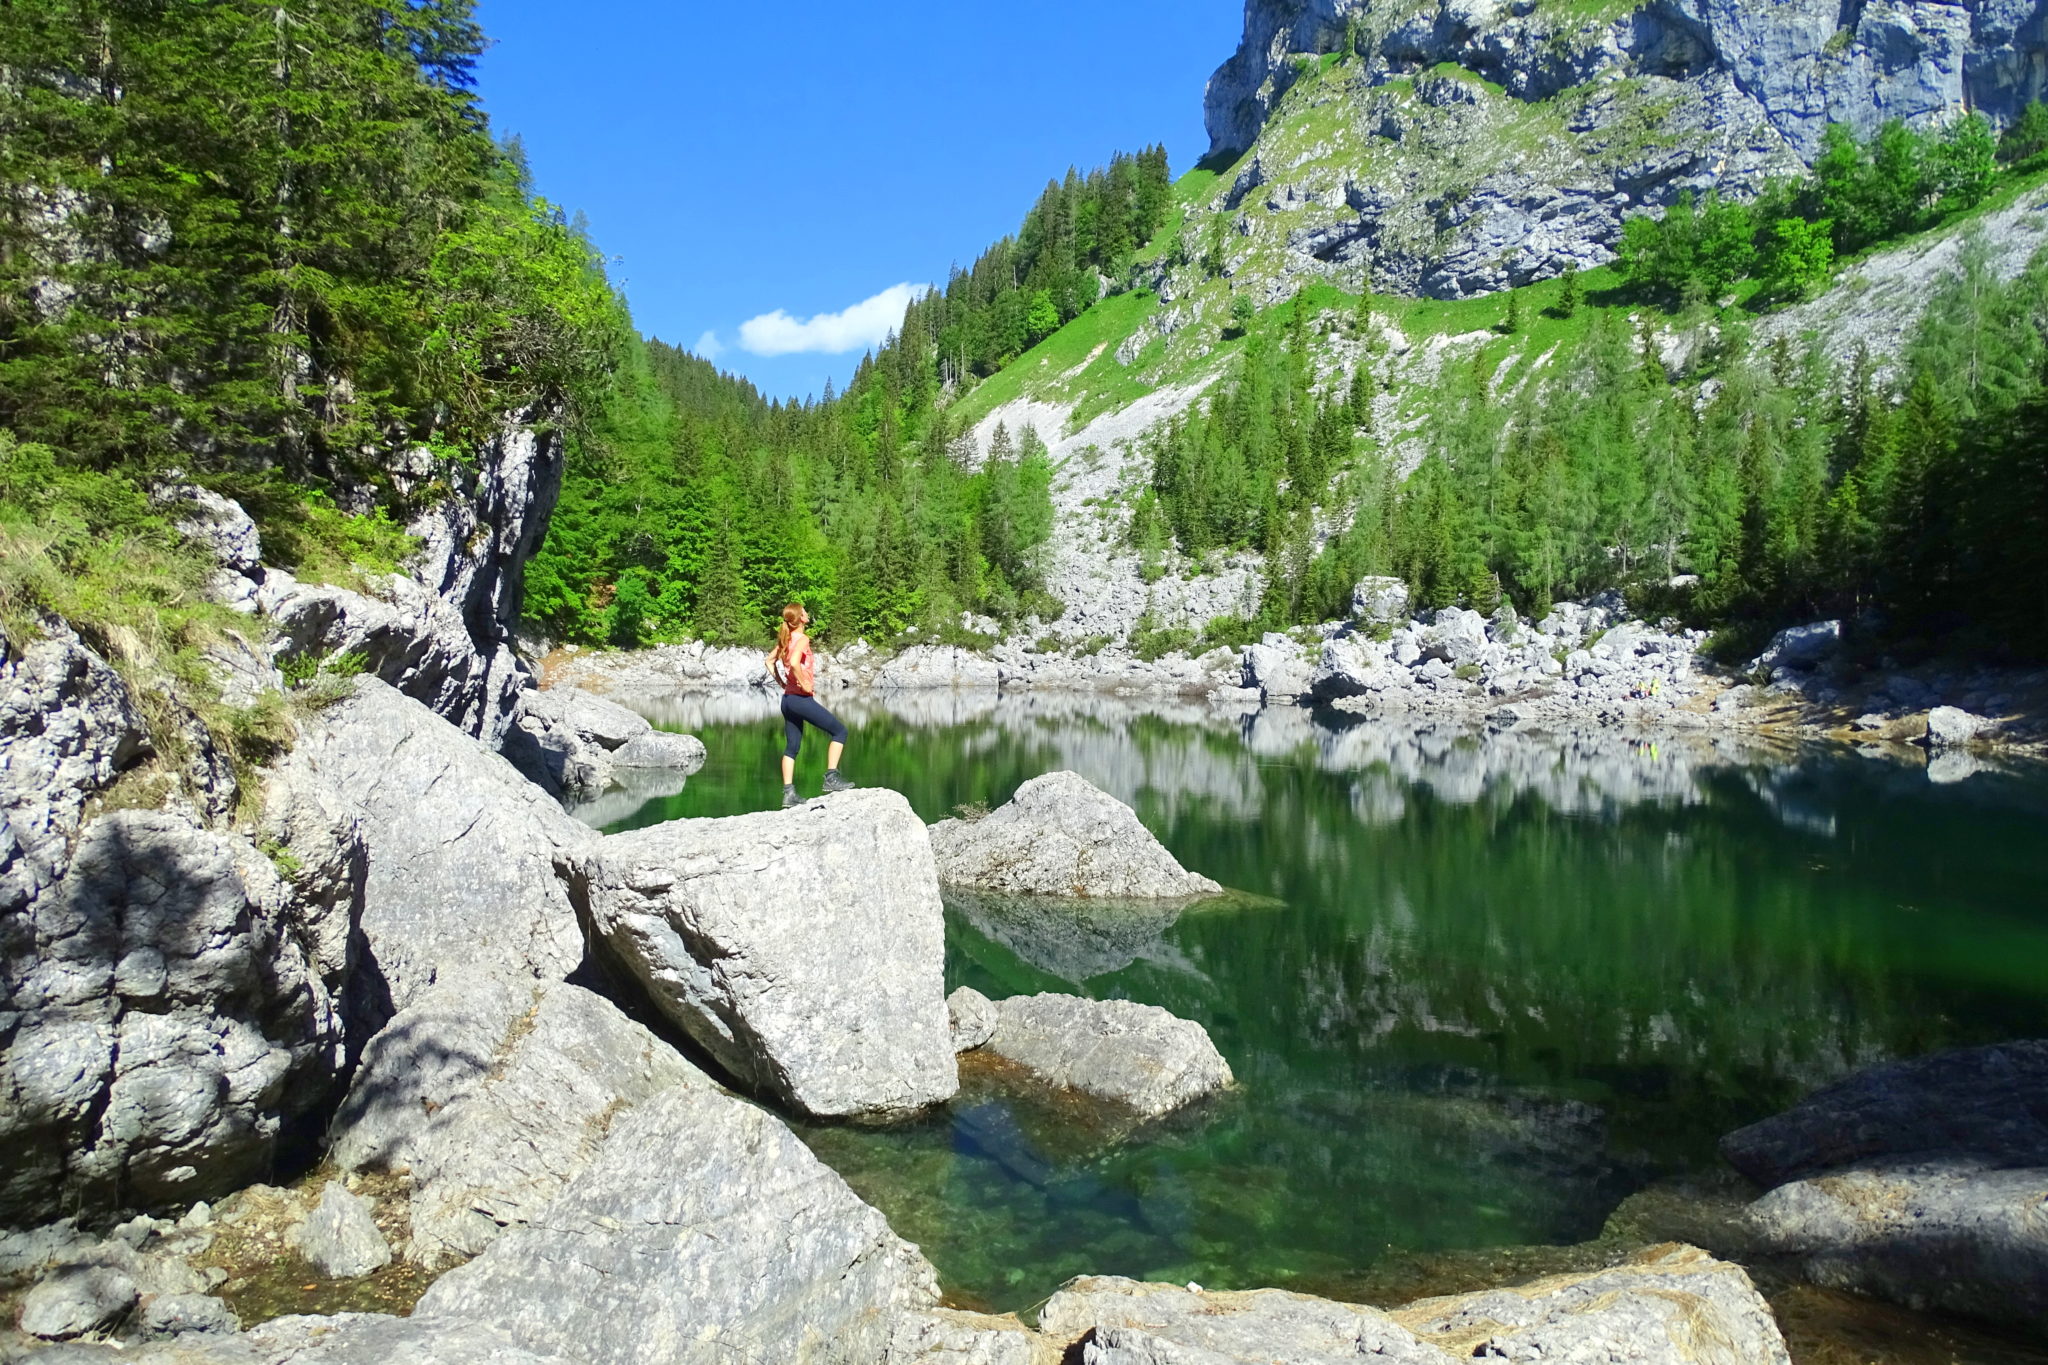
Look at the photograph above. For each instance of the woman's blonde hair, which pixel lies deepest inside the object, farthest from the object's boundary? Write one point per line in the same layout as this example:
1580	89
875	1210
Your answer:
792	618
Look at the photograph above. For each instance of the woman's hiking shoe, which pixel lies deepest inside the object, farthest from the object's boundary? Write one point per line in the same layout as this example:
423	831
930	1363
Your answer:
790	798
835	783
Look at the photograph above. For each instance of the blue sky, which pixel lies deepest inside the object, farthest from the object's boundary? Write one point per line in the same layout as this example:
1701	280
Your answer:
744	160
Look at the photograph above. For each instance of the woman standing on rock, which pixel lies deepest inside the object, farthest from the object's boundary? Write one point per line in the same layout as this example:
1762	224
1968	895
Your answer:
794	666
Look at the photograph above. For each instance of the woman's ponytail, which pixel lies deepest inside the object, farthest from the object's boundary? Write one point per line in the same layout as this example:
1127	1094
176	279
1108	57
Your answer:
792	615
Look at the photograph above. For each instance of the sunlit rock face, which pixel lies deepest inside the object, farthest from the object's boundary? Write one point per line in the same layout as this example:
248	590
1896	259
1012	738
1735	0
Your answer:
1469	146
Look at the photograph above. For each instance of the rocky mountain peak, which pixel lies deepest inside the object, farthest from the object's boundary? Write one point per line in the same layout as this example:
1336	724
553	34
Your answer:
1798	64
1451	148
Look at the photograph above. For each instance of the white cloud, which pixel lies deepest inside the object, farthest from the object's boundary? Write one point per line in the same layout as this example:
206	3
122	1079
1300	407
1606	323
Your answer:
709	347
859	328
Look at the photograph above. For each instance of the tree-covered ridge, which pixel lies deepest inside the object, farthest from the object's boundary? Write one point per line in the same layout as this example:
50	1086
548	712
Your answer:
273	237
1859	194
693	509
1767	481
1078	241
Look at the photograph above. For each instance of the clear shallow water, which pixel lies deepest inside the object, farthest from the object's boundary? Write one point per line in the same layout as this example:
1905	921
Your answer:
1485	986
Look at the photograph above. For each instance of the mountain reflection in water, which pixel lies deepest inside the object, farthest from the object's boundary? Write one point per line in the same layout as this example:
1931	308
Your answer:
1482	986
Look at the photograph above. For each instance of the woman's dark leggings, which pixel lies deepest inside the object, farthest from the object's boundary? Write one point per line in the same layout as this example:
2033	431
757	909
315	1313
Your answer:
800	711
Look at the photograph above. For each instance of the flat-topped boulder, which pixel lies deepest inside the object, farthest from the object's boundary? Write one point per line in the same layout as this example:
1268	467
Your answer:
490	1094
1062	836
804	949
703	1233
1140	1056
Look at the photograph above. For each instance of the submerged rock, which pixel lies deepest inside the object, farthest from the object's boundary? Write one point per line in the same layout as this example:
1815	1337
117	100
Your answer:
1061	836
491	1094
803	949
704	1232
1924	1182
1139	1056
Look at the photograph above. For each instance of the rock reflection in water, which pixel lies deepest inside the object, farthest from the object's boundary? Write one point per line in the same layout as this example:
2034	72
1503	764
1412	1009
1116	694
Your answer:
631	791
1073	940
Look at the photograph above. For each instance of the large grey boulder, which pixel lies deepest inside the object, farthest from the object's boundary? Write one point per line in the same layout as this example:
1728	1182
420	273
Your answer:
660	749
171	1002
1951	727
1982	1102
167	1316
340	1238
1277	668
704	1231
1669	1306
490	1094
74	1300
1801	646
406	635
217	523
1949	1235
469	865
1062	836
544	743
803	949
575	742
1140	1056
1379	601
1352	666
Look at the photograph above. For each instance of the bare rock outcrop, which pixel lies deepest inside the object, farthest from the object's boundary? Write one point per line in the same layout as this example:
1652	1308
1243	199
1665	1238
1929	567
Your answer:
490	1094
704	1232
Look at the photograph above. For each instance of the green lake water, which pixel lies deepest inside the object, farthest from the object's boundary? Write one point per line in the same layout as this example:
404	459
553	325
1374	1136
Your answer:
1478	989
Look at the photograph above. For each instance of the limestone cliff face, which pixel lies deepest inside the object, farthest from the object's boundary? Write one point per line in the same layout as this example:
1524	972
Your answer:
1484	144
1802	63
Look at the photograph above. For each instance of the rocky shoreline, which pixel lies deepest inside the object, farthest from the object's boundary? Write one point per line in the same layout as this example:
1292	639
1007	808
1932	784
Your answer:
1589	664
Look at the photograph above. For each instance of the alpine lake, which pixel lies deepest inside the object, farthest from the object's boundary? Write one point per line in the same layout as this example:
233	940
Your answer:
1491	998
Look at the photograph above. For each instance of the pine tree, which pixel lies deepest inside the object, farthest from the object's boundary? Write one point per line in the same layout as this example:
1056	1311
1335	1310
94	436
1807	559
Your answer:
1568	294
